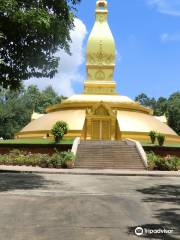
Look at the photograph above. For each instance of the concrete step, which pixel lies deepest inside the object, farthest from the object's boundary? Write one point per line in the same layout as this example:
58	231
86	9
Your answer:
108	154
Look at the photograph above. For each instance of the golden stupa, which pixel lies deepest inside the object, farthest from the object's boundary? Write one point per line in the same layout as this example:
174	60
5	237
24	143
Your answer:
100	112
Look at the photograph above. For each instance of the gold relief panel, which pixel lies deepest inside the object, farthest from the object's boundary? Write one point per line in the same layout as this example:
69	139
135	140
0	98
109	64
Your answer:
99	90
100	75
100	58
101	110
101	18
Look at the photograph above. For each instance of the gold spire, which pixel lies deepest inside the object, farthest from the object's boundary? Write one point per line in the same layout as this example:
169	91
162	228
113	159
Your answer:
100	56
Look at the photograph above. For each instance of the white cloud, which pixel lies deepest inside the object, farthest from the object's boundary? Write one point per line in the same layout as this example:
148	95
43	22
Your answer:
68	71
165	37
170	7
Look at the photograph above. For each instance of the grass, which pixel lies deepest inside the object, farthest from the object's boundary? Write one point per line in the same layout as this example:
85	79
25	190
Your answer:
156	145
66	141
35	141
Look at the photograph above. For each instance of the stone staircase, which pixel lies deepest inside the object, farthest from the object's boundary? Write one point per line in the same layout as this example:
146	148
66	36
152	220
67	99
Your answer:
108	155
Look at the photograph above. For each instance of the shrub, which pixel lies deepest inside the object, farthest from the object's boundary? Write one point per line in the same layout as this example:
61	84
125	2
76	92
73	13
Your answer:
152	158
67	159
57	160
152	135
172	162
59	130
178	164
168	163
161	139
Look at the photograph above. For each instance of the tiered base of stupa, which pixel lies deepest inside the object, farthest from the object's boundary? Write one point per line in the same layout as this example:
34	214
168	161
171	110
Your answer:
100	117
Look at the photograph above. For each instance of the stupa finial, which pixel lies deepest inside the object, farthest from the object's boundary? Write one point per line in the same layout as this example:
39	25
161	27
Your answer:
101	6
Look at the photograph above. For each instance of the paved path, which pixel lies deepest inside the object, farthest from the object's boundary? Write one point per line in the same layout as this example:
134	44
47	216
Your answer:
107	172
87	207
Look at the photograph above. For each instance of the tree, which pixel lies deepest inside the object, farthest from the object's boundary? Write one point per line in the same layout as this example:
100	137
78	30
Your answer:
31	97
16	107
158	106
1	37
162	106
33	32
48	97
144	100
13	113
38	101
174	112
59	130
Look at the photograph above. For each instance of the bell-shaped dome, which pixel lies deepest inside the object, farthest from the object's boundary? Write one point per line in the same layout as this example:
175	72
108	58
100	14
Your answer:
100	55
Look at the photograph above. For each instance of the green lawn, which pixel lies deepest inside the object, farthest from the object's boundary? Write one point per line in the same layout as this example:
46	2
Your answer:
35	141
165	145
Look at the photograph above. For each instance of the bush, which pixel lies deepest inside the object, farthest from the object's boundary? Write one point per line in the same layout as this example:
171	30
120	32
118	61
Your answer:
168	163
152	158
161	139
67	159
152	135
59	130
57	160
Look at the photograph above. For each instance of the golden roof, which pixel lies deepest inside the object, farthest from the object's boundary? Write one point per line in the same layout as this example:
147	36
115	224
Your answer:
139	122
36	115
86	101
98	98
128	121
74	118
162	118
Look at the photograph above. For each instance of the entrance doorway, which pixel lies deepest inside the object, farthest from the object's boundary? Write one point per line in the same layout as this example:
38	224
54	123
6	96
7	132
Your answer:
100	123
101	129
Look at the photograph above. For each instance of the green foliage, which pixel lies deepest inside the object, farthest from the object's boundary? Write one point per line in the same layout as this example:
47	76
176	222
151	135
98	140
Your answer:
161	107
35	141
33	32
152	158
20	158
153	136
144	100
16	107
39	100
169	163
56	160
169	107
59	129
161	139
68	159
174	112
14	114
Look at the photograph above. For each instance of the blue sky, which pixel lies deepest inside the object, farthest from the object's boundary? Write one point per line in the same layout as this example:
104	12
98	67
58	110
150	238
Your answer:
147	36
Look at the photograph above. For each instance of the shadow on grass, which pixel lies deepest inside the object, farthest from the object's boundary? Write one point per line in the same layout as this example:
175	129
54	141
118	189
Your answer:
168	216
20	181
